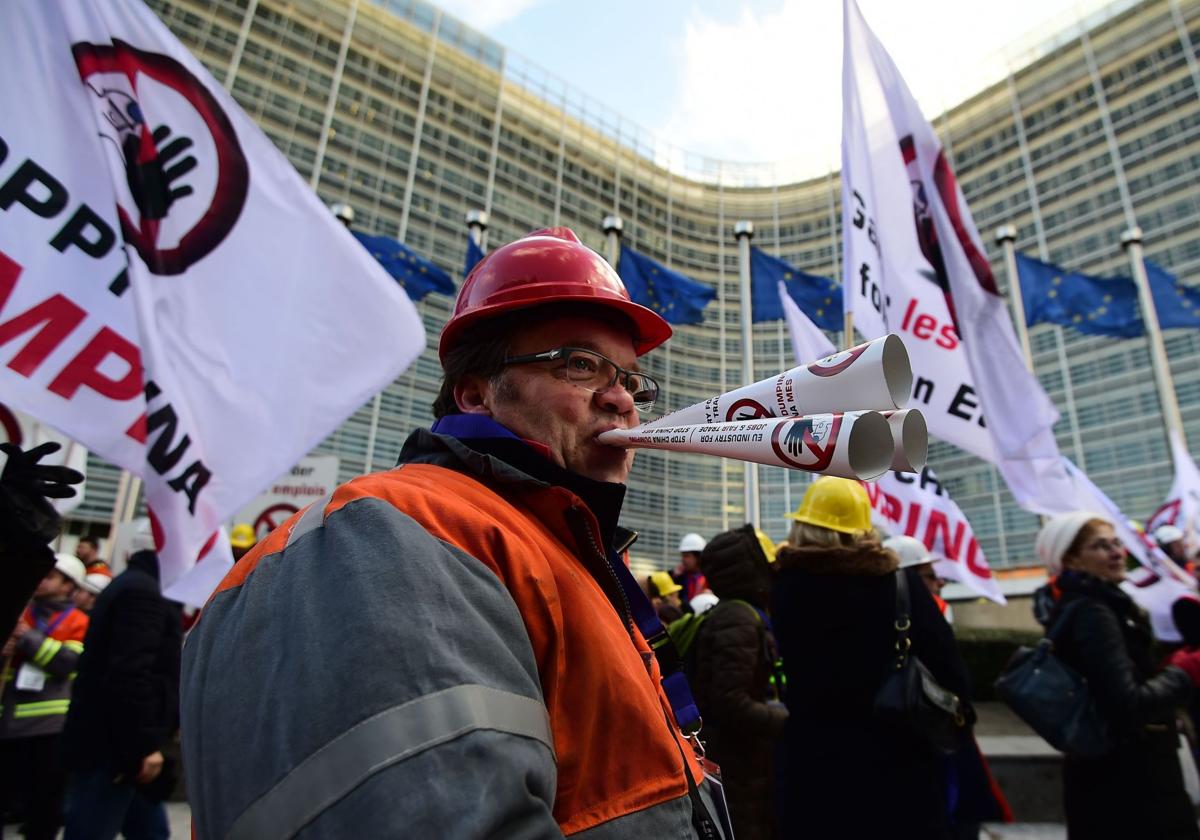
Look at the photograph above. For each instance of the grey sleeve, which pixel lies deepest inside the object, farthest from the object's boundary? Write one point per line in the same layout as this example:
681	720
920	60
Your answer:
369	680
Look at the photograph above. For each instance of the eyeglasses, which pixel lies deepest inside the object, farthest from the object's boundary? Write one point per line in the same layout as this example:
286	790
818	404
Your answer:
593	372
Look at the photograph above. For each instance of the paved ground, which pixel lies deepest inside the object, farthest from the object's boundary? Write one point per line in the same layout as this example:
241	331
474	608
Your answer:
999	732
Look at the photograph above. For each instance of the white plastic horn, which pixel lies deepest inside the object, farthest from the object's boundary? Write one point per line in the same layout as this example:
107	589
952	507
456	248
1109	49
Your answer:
910	436
875	376
910	439
858	445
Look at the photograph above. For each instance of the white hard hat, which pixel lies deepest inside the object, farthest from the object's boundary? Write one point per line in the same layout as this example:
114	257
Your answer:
1167	534
71	567
96	582
910	550
143	536
703	602
692	542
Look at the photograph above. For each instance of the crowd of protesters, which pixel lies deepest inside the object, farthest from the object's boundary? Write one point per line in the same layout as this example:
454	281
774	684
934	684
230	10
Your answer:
456	646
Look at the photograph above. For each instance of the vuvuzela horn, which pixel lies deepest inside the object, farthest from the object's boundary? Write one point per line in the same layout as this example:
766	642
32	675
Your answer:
858	445
910	438
875	376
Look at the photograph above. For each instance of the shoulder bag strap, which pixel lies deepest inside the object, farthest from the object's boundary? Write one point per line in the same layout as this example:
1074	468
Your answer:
903	618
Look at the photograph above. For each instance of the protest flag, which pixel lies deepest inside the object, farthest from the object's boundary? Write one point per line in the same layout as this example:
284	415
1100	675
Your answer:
172	294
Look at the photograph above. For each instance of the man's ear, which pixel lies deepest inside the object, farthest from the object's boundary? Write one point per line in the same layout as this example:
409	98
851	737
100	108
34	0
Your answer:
473	395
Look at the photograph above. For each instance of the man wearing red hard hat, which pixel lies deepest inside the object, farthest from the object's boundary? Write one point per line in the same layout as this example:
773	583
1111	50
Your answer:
453	647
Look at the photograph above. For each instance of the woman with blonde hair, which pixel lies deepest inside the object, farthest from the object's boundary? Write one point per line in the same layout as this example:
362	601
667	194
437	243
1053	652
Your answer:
844	772
1136	789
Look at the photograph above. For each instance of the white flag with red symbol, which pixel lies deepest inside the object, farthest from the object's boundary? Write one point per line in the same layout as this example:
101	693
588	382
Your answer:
915	265
172	294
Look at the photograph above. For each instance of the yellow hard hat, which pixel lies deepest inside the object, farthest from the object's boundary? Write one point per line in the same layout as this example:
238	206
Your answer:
664	584
768	547
242	536
838	504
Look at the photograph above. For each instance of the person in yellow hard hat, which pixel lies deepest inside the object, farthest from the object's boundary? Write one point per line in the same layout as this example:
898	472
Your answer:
664	595
242	539
834	610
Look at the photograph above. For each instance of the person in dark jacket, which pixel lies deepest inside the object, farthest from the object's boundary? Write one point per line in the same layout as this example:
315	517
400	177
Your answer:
843	772
125	710
1137	789
735	656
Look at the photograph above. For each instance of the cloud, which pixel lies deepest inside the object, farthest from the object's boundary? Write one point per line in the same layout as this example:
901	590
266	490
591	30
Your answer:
486	14
761	85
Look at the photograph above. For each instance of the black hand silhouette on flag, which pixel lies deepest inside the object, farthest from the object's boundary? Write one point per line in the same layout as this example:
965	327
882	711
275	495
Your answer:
150	176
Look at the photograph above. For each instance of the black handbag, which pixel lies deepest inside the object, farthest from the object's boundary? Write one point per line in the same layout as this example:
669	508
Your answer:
1053	698
910	699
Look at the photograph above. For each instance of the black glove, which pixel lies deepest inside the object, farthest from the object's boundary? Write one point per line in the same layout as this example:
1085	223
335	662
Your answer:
25	485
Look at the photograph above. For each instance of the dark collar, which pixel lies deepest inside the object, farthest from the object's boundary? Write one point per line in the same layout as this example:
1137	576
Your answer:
487	442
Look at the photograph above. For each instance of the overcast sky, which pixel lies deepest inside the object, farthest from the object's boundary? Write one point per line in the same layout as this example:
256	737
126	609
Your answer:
760	80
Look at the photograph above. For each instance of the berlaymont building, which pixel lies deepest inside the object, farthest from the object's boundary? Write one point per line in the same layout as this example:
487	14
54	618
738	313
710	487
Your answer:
415	120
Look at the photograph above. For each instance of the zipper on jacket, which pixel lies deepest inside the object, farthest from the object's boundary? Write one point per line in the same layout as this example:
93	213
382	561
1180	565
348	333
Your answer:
624	607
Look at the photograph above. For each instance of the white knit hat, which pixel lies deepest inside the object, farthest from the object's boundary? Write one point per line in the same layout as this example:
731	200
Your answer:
1057	535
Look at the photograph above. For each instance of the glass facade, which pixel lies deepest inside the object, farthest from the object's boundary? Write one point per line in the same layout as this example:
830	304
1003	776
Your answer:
414	119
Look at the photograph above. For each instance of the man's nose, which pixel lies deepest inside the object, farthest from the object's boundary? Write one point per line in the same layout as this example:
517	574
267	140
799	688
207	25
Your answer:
615	398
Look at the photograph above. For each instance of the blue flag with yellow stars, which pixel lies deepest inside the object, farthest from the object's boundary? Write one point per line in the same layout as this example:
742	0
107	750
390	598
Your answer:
1091	305
678	299
818	297
474	255
416	274
1177	305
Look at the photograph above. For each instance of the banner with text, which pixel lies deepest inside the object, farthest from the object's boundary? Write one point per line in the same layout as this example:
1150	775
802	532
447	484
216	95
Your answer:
172	294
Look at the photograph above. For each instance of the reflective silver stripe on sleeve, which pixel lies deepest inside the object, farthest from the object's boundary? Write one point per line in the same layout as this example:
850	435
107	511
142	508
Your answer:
381	741
313	518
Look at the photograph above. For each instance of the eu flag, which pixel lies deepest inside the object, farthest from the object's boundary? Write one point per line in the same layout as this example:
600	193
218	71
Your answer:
1092	305
678	299
818	297
1177	305
416	274
474	255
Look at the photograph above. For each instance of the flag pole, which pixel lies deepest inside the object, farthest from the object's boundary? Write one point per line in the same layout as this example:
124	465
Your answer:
477	222
613	227
1006	238
345	214
1131	241
743	231
118	504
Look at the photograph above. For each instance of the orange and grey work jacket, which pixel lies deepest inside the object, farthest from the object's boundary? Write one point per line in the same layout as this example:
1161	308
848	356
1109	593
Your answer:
433	651
38	679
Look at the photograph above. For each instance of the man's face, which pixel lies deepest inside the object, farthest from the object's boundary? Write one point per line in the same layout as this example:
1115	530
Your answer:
86	552
536	402
690	561
84	599
55	586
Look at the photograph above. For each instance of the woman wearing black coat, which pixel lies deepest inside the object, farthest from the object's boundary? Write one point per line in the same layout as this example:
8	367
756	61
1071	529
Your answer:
1137	789
844	773
735	656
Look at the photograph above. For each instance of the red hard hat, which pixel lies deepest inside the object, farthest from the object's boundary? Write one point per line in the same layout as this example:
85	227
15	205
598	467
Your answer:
547	266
